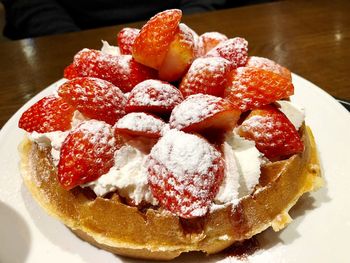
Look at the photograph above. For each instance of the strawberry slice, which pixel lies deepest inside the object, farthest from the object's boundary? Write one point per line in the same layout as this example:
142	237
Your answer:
274	135
207	76
153	96
250	88
139	129
122	70
269	65
184	173
202	112
95	98
180	55
234	50
126	38
48	114
211	40
87	153
152	44
70	72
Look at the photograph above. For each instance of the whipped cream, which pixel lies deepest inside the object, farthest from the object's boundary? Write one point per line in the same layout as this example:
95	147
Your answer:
293	112
50	139
110	50
242	170
55	139
128	176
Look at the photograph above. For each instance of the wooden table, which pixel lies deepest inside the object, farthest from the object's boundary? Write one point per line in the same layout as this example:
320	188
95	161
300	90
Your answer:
312	38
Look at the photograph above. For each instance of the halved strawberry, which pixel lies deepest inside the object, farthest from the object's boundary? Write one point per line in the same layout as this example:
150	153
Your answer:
87	153
274	135
250	88
180	55
122	71
184	173
211	40
126	38
95	98
207	76
70	72
48	114
153	96
152	44
140	129
234	50
202	112
269	65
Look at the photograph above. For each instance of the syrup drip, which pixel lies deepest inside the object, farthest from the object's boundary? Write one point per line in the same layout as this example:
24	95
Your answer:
242	249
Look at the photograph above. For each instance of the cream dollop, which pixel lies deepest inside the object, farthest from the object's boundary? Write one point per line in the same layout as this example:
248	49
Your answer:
128	176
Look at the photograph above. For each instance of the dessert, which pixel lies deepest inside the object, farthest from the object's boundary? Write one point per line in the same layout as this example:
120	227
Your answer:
146	168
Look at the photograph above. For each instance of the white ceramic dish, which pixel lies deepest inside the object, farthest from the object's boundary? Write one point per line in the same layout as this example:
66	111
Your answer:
319	232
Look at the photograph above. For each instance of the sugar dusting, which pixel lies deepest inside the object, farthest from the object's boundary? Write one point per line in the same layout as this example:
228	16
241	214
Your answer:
142	122
194	109
185	165
155	93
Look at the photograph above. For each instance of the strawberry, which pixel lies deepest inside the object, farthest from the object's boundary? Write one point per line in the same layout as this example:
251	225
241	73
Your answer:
202	112
47	115
184	173
95	98
139	129
86	153
153	96
122	70
274	135
126	38
250	88
207	76
180	55
211	40
234	50
269	65
152	44
70	72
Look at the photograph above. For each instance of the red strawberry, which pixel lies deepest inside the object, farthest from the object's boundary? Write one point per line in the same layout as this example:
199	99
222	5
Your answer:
207	76
250	88
211	40
126	38
184	173
140	130
47	115
122	70
95	98
274	135
234	50
152	44
86	153
202	112
269	65
153	96
181	53
70	72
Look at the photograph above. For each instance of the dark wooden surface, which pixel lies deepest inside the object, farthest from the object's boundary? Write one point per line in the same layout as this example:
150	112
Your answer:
311	38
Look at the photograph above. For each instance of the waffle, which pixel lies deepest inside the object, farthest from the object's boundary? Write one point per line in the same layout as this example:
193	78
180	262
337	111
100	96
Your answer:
153	233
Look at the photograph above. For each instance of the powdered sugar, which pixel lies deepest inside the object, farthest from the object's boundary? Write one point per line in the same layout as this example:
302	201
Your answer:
194	109
141	122
211	40
206	75
267	64
186	168
234	50
155	93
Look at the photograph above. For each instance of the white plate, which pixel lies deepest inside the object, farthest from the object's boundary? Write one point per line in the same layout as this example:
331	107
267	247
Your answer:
319	233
